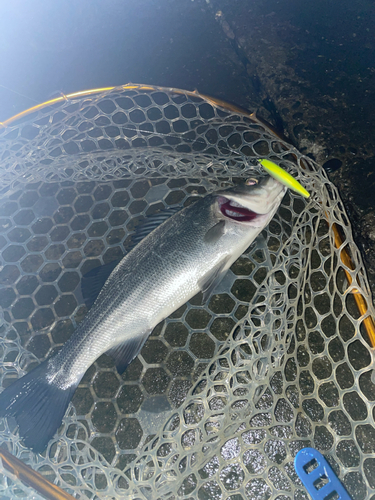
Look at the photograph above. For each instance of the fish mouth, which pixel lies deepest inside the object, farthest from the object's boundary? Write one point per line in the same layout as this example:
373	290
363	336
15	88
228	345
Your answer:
233	210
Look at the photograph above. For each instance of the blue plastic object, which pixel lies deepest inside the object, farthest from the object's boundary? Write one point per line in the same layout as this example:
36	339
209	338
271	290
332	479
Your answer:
318	477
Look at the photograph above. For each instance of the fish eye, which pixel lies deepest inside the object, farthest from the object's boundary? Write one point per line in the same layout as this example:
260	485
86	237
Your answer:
251	181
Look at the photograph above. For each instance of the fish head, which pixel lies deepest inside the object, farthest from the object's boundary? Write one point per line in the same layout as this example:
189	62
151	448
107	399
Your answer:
253	203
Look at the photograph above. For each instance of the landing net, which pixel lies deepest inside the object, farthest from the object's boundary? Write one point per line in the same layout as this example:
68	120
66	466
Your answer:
224	394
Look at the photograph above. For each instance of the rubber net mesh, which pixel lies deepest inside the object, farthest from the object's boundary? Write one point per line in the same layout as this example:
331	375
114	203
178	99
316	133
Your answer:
224	394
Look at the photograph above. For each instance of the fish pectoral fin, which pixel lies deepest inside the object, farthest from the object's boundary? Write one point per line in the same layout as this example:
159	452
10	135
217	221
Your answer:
215	232
208	283
93	281
123	354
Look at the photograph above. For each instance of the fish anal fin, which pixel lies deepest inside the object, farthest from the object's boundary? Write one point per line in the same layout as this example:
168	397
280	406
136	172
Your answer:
208	283
123	354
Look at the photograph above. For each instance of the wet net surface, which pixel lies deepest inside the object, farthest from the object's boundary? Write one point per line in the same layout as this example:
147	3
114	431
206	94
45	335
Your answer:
223	394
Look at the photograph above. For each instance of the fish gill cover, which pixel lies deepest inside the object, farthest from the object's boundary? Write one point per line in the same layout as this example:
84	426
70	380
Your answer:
223	394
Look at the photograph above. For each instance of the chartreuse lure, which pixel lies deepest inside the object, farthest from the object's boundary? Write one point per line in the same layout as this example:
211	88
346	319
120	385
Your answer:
280	175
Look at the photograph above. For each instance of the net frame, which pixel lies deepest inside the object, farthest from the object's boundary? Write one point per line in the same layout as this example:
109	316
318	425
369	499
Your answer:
213	456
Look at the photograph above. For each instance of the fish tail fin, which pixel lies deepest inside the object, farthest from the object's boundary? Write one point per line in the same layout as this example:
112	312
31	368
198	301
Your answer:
37	405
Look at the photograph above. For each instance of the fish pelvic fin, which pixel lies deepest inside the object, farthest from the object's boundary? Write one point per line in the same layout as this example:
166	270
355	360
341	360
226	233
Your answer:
209	282
37	405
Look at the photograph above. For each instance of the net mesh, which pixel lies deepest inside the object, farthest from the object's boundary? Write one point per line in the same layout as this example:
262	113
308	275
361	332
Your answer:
223	394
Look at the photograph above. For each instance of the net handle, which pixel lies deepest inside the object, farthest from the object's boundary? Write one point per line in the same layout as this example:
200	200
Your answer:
32	478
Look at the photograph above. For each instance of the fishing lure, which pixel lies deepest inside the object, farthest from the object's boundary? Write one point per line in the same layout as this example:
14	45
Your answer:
282	176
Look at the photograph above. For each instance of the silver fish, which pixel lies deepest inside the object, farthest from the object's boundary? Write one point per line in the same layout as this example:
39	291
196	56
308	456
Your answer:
188	253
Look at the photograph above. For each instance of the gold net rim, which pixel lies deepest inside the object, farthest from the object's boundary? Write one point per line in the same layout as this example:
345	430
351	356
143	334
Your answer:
130	86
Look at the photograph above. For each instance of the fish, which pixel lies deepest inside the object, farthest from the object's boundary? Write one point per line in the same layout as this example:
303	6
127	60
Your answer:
187	253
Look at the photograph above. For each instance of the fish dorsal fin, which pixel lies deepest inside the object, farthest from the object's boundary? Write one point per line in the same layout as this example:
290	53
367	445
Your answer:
93	281
123	354
208	283
151	222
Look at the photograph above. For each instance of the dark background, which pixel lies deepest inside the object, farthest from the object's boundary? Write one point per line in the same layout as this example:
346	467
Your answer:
307	67
51	47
